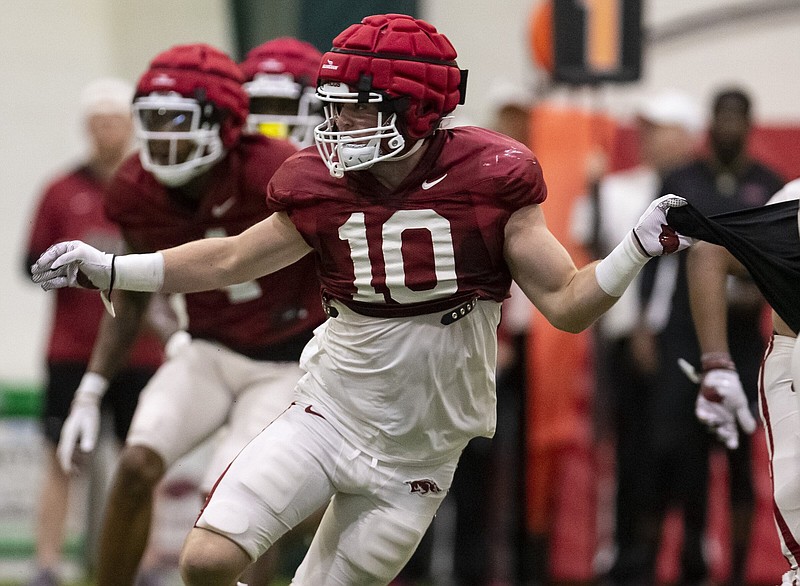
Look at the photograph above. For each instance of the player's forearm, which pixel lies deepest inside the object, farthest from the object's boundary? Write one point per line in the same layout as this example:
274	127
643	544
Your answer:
707	274
581	303
201	265
213	263
161	317
117	335
571	306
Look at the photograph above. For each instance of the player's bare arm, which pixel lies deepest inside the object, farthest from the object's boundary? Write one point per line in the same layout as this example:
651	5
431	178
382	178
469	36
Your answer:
213	263
201	265
721	400
707	269
572	299
569	298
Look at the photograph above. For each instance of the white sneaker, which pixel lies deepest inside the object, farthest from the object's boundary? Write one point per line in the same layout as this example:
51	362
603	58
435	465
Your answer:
790	578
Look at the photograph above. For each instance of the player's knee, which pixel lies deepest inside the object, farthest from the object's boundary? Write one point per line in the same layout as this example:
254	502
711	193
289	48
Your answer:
210	559
139	470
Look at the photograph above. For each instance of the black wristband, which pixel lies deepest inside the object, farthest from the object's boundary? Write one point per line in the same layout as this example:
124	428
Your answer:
113	274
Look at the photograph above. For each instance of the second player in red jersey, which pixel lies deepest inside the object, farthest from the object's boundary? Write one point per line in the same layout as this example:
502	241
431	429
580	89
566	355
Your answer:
256	318
235	362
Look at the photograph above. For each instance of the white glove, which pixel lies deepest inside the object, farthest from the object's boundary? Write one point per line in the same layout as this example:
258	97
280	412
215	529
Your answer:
176	343
73	264
83	422
652	233
721	402
719	420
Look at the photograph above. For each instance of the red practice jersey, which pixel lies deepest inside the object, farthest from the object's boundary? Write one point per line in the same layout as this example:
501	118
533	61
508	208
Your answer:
254	318
71	208
431	243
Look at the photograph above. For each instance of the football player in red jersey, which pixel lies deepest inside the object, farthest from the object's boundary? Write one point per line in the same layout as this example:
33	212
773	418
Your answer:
417	232
196	176
281	82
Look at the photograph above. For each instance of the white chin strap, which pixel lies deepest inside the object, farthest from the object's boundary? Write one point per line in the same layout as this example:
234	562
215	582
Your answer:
352	157
358	156
178	174
417	145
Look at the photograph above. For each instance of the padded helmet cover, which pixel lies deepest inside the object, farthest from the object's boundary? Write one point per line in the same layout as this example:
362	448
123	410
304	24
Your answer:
405	57
284	55
203	73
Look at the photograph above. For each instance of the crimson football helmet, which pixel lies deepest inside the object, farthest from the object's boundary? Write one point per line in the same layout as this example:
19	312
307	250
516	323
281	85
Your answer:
403	65
189	109
281	81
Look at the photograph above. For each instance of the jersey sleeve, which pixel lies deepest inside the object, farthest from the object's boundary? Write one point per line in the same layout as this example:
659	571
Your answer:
283	187
511	171
528	187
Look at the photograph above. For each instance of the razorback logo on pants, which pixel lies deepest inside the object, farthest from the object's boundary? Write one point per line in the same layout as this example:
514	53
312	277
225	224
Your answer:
423	486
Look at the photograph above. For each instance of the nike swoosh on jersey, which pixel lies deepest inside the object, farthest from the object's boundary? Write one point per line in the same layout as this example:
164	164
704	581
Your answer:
310	409
221	209
428	184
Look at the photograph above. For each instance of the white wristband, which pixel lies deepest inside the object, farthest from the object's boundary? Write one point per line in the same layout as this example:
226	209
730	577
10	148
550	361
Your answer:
616	271
138	272
92	384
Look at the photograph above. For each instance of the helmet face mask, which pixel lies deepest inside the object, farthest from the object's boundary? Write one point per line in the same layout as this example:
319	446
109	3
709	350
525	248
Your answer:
355	149
178	138
280	107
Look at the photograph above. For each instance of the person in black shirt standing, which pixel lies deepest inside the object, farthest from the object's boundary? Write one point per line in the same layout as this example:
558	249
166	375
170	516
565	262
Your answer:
725	179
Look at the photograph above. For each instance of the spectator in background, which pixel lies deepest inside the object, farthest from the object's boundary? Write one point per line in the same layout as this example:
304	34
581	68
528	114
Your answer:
726	178
72	207
669	125
511	106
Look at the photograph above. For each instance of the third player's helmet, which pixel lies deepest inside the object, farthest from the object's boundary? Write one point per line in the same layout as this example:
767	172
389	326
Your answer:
281	81
402	64
189	109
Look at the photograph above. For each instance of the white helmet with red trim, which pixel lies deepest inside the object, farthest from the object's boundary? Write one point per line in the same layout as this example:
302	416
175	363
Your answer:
189	109
281	80
403	65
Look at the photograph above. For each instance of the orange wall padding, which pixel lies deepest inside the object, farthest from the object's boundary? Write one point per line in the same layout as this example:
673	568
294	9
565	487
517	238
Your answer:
559	384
